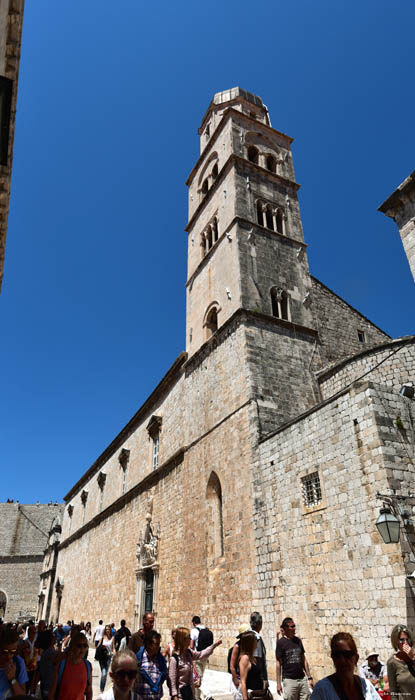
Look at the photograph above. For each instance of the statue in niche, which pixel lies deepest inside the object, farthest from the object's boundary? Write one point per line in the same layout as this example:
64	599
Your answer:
147	547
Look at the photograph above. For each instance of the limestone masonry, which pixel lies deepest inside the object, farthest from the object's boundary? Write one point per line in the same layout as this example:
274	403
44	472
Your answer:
248	478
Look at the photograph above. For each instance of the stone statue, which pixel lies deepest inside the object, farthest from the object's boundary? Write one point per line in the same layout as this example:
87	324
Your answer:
147	547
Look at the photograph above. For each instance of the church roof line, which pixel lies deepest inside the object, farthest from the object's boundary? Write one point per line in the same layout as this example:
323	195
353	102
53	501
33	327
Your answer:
349	305
170	376
394	198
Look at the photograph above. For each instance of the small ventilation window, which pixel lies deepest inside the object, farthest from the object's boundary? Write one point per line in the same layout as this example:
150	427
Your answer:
361	336
311	489
271	164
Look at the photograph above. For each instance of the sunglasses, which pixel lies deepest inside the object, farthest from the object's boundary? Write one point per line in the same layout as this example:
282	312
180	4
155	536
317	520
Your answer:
346	654
125	674
8	651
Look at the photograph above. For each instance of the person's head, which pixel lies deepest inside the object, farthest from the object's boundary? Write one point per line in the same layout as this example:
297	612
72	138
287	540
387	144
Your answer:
78	646
23	648
45	639
41	626
122	623
8	645
173	633
74	630
372	658
255	621
108	631
344	653
88	626
68	622
100	622
195	620
148	622
182	639
152	641
400	635
248	643
124	670
288	625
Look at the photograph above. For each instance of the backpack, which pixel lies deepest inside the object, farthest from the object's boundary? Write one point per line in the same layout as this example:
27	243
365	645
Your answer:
205	639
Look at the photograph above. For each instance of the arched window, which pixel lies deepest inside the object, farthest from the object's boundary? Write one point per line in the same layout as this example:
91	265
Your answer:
280	304
253	154
209	237
259	213
212	322
269	218
271	164
205	187
215	171
215	229
215	532
279	220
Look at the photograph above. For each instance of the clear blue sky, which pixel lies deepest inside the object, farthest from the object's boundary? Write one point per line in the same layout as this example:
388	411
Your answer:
111	94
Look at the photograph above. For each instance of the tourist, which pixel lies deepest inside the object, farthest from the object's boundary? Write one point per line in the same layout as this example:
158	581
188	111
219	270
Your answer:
104	652
201	637
233	657
292	668
48	661
152	668
13	674
88	632
181	664
344	683
260	652
98	632
122	634
123	673
137	639
373	670
401	666
73	678
169	648
249	669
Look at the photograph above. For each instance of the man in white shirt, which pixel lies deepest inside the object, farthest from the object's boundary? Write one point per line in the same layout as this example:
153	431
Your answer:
200	665
98	633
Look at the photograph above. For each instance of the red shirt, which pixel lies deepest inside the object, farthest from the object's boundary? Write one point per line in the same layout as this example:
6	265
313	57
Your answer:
74	681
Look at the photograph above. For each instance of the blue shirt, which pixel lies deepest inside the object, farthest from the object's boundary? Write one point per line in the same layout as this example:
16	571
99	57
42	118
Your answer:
21	677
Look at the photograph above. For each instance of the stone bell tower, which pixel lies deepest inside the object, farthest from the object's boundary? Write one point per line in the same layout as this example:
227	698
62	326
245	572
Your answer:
246	250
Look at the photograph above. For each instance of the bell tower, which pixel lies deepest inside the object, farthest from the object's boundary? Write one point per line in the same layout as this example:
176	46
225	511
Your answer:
246	247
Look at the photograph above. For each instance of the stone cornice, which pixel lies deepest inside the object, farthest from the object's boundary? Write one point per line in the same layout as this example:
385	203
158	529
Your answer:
169	378
226	116
234	158
146	483
394	199
21	559
239	317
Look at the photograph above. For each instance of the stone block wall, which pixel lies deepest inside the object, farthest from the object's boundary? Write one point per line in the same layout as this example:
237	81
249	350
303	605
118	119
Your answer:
326	565
338	324
391	363
23	536
11	24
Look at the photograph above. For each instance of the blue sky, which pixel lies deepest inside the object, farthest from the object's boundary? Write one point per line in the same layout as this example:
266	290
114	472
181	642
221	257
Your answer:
92	309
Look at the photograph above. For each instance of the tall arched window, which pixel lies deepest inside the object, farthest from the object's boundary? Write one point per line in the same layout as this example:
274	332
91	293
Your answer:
271	164
279	219
215	532
215	171
253	154
269	218
205	187
212	322
259	213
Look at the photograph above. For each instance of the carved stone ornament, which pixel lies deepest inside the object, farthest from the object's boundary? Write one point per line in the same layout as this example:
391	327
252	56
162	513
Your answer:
59	586
154	425
123	457
70	510
147	546
84	497
102	477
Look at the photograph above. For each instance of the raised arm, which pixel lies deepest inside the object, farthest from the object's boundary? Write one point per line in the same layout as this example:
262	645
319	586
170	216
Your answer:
234	665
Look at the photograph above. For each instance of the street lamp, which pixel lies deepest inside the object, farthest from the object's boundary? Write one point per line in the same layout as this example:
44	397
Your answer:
388	525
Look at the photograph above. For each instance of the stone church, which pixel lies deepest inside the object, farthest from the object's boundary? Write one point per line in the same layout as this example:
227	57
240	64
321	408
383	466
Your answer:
248	480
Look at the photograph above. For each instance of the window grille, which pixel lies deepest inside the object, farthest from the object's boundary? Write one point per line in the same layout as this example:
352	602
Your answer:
311	488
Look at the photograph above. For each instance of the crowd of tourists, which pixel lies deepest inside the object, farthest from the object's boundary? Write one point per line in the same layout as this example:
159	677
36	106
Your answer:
52	663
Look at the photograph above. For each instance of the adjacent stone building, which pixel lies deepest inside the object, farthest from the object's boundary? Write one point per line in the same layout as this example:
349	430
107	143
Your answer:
400	206
11	24
23	538
248	478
